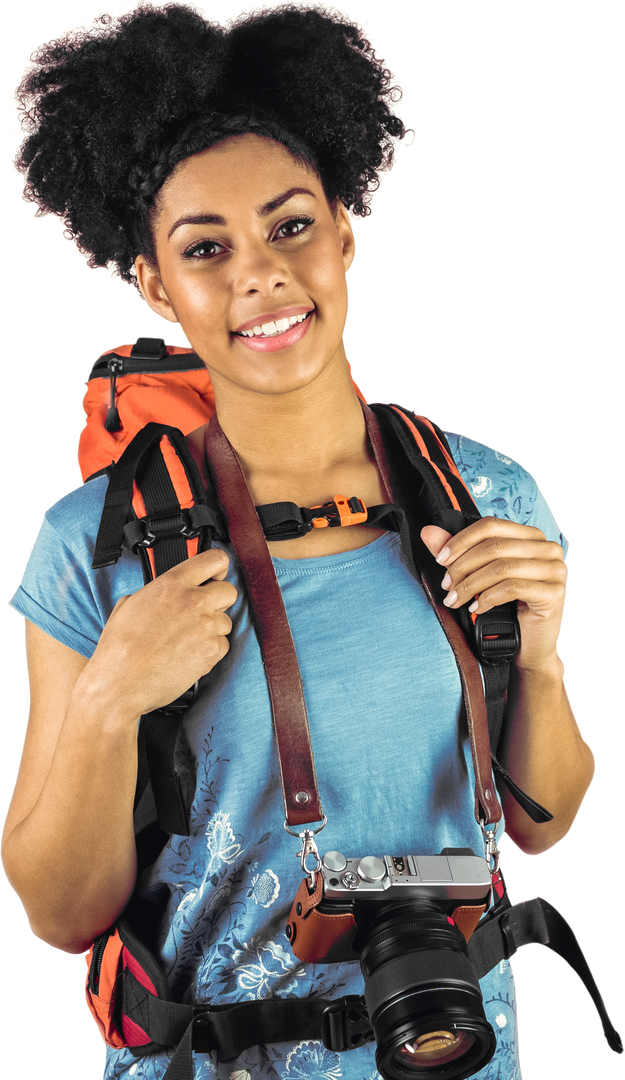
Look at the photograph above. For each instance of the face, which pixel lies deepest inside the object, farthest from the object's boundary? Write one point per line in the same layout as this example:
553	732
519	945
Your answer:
251	261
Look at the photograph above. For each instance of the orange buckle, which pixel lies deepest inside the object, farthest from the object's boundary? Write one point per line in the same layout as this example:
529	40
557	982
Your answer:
342	511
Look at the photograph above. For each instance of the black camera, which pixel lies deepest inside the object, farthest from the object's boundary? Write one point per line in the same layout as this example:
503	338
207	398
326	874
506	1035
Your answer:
407	919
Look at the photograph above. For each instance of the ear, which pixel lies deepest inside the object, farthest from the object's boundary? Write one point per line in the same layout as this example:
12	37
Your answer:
346	235
152	289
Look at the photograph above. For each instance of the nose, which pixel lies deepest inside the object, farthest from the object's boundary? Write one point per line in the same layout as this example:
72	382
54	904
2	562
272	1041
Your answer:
260	269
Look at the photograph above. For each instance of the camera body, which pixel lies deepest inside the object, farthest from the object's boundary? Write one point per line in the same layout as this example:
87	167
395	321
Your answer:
329	924
407	919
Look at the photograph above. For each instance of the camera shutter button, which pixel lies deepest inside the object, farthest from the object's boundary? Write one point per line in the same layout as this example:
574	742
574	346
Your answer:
371	869
334	860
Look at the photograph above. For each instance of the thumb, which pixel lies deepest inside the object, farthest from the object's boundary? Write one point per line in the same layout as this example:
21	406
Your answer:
435	538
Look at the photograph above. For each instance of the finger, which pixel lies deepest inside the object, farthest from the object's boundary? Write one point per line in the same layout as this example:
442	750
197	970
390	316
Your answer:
484	529
507	575
435	538
544	598
211	565
500	553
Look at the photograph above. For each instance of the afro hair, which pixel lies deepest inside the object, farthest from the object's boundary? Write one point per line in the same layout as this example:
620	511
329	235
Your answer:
110	112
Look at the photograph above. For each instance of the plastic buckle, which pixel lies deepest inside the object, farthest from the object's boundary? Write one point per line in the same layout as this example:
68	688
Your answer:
152	532
340	512
182	703
346	1024
497	637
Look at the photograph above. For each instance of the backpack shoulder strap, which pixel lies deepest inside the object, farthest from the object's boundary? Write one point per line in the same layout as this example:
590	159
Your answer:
411	448
157	504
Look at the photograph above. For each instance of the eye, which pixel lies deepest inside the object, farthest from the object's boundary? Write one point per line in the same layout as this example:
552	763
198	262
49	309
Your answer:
201	250
293	227
207	248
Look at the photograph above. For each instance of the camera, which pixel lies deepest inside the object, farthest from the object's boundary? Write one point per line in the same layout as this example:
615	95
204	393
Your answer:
407	918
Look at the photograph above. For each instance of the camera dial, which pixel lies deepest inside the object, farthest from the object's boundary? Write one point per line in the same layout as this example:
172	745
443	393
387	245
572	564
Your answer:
371	869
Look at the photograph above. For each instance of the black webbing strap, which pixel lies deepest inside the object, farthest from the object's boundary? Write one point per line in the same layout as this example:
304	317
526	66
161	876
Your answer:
287	520
142	461
343	1024
500	934
494	637
228	1030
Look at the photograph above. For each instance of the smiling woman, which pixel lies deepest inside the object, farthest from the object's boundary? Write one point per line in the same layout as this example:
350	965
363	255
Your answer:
256	249
217	170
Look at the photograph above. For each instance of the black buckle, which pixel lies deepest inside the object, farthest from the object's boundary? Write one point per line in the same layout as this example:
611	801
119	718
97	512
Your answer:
182	703
497	636
175	523
346	1024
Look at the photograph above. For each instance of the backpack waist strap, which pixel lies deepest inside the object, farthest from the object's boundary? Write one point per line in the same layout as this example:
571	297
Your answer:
342	1024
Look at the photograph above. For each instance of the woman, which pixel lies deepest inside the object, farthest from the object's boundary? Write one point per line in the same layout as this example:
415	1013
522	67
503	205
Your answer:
233	224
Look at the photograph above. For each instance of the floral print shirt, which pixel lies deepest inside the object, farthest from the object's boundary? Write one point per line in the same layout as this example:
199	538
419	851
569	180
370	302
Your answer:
393	764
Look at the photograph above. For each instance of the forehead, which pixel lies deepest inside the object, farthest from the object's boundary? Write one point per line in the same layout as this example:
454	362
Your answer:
239	174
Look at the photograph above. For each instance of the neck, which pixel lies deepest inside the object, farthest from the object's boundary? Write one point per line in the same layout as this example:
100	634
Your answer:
295	441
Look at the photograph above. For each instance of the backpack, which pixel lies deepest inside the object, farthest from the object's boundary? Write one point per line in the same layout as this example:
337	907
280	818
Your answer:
157	506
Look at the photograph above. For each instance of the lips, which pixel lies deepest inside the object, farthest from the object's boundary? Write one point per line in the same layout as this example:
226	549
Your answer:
274	322
277	338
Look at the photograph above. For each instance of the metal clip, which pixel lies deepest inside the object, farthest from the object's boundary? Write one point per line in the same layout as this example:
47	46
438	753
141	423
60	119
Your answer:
491	851
309	847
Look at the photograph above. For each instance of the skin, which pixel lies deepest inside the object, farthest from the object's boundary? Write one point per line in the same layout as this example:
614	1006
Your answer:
285	433
294	419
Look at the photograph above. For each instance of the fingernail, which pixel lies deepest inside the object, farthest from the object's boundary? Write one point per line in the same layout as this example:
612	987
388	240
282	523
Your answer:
443	556
446	582
450	600
473	606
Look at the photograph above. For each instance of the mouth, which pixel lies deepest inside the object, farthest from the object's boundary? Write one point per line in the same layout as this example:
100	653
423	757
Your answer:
272	329
278	334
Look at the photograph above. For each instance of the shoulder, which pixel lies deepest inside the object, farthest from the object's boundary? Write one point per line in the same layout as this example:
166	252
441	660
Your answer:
60	592
501	487
76	517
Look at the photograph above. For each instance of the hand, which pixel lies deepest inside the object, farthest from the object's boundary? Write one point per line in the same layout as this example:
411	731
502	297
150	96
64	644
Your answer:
497	561
162	639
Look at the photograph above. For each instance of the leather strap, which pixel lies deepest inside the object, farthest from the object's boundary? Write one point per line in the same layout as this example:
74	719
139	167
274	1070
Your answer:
487	807
302	804
297	769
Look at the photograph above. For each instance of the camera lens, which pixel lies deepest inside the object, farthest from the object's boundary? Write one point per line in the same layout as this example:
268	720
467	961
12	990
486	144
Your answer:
423	996
433	1048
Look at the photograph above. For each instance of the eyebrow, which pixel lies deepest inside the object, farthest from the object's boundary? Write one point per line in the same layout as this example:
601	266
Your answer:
262	211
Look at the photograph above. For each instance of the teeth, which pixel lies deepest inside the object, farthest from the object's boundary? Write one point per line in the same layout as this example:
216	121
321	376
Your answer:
270	329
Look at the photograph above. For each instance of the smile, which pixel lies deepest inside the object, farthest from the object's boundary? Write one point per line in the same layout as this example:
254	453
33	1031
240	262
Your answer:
280	334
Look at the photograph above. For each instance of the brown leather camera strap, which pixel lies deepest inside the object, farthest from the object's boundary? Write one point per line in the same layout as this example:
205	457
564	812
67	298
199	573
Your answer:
302	804
487	806
297	769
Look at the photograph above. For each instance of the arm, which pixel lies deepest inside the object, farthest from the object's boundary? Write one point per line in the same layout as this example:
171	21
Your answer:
544	752
541	745
68	844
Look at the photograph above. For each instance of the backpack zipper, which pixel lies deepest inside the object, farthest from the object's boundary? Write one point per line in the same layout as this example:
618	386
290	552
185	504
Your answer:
97	954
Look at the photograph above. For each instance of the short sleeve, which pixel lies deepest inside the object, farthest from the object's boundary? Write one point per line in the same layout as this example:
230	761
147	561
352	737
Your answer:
60	593
502	488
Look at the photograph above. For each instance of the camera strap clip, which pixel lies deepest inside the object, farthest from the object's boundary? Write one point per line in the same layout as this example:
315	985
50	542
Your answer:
309	847
491	851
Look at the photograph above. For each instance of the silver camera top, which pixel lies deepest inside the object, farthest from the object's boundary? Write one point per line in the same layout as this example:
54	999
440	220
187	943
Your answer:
453	877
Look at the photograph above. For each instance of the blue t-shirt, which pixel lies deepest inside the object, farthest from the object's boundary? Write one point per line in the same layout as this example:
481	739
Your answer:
393	763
